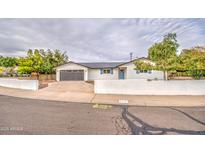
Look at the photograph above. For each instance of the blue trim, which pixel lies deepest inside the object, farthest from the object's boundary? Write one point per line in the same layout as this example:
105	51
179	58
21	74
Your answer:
101	71
121	74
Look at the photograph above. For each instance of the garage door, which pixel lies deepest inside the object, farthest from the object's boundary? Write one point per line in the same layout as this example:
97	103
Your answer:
71	75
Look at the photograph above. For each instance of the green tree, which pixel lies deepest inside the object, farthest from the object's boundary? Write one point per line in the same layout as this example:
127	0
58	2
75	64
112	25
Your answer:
143	65
41	61
164	53
25	65
48	62
53	59
32	63
60	58
193	62
8	61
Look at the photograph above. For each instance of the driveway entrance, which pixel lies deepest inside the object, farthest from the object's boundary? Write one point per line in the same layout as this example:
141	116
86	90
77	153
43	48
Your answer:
70	86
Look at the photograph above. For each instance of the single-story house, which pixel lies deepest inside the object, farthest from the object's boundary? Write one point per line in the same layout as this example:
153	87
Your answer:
104	71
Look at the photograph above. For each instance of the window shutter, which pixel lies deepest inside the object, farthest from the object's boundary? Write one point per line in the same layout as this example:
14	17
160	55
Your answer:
101	71
111	71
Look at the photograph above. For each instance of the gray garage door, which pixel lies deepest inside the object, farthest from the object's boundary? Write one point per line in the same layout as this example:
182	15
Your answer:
71	75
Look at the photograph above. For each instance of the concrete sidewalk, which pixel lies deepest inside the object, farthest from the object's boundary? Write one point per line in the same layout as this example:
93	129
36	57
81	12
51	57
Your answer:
143	100
90	97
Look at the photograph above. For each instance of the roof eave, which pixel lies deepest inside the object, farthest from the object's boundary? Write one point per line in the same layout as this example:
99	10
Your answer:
73	63
133	61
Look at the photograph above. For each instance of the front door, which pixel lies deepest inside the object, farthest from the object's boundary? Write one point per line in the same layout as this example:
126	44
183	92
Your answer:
121	74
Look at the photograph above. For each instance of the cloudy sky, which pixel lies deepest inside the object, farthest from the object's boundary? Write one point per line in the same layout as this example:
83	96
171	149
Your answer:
96	39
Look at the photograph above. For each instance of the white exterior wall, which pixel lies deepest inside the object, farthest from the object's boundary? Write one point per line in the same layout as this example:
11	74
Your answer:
94	74
130	73
71	66
20	84
144	87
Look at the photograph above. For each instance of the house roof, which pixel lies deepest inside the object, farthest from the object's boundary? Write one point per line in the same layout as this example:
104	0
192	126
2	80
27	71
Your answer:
101	64
141	58
95	65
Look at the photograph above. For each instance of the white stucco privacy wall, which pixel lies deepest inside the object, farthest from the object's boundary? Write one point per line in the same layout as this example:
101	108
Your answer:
155	87
20	84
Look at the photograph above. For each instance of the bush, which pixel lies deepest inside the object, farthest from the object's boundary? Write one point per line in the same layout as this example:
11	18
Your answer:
196	74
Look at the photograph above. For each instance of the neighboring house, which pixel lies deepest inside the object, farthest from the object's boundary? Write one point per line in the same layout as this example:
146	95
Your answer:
104	71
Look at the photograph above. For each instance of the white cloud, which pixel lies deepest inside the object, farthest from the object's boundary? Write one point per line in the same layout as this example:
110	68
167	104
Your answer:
96	39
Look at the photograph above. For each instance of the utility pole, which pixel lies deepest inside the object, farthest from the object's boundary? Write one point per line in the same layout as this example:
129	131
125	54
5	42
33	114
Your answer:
131	56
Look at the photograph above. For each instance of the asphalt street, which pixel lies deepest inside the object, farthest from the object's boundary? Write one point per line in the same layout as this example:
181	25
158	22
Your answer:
34	117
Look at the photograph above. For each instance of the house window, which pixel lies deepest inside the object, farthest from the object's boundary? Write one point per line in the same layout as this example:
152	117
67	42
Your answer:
106	71
143	71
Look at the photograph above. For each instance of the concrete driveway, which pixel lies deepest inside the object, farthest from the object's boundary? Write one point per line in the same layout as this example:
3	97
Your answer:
74	91
70	86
